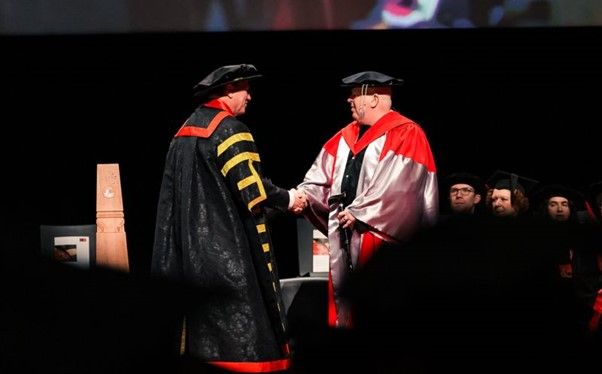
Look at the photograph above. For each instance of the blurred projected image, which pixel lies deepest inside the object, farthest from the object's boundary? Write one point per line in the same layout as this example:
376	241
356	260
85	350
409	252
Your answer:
391	14
388	14
405	13
100	16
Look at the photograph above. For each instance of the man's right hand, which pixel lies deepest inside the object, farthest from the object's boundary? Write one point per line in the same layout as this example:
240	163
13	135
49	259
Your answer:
300	202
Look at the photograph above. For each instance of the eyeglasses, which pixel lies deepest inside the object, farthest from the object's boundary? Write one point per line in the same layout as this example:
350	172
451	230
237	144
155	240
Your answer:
463	190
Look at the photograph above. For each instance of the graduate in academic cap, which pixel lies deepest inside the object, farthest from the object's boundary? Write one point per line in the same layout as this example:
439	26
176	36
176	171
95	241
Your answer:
465	193
507	194
374	181
211	231
576	239
559	203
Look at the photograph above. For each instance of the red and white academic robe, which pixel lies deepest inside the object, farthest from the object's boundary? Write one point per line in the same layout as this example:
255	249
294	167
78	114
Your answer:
396	194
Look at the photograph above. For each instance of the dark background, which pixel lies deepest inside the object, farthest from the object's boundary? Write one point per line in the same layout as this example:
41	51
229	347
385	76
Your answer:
522	100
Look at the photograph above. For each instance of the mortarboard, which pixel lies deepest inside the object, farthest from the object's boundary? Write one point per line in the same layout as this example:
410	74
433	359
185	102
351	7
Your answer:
552	190
503	180
466	178
371	79
224	75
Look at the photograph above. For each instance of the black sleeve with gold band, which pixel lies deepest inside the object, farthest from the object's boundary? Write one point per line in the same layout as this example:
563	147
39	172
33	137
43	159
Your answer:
240	164
277	197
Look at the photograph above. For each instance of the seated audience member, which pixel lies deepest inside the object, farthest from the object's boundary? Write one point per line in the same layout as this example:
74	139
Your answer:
482	300
557	206
574	240
465	193
507	194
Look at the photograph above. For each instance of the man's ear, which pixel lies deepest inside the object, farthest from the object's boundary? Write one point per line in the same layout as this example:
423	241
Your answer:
477	198
374	101
229	89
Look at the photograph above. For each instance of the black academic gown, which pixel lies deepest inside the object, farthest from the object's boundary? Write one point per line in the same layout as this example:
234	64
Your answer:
477	294
211	232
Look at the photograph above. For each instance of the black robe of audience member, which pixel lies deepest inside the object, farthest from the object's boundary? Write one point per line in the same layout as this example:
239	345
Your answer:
475	294
579	244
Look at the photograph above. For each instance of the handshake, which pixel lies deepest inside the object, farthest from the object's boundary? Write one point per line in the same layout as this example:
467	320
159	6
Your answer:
300	201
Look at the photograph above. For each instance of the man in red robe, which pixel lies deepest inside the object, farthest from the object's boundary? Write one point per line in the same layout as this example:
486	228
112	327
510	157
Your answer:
373	181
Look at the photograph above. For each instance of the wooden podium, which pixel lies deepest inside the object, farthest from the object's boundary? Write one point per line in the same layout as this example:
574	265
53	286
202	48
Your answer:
111	245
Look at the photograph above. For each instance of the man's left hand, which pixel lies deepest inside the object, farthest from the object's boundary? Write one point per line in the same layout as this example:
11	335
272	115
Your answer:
346	219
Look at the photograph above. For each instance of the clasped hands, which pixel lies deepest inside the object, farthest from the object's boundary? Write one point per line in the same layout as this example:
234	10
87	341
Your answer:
300	202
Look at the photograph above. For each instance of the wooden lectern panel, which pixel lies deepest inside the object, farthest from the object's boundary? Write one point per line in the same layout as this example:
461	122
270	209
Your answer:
111	245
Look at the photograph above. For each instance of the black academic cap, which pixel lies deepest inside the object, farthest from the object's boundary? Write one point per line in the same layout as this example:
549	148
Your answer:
224	75
370	78
551	190
503	180
466	178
